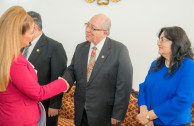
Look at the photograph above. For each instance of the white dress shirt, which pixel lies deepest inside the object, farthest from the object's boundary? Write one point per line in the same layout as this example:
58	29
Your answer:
98	49
33	43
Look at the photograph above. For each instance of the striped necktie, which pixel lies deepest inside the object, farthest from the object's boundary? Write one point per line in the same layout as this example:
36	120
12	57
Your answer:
25	52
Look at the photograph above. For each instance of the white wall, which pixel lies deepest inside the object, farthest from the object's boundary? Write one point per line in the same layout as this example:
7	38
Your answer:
134	23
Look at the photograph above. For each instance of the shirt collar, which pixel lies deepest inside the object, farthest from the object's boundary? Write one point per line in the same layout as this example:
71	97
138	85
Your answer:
36	40
99	45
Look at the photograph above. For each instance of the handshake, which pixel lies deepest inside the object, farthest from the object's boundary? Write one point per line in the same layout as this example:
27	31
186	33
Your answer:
68	78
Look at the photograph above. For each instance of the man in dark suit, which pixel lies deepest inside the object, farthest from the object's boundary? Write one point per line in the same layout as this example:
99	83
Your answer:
103	72
49	59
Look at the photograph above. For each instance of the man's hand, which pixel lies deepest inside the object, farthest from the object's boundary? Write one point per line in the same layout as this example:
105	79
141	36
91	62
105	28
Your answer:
114	121
52	112
66	83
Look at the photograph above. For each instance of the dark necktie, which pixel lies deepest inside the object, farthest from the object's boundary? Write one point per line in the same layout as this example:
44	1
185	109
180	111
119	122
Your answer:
25	53
91	62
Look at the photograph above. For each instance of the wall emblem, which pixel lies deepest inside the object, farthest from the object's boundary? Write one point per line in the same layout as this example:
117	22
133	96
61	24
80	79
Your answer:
102	2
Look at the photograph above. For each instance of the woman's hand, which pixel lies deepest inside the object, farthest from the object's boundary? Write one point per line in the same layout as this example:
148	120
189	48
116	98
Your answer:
150	123
65	82
142	118
146	116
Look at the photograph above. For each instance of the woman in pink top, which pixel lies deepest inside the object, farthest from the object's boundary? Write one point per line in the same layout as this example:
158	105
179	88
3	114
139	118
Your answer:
19	88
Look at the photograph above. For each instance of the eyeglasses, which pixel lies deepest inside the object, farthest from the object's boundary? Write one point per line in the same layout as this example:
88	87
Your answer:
91	27
162	40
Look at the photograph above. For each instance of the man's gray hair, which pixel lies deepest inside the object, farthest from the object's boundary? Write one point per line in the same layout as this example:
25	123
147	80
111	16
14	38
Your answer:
107	25
37	19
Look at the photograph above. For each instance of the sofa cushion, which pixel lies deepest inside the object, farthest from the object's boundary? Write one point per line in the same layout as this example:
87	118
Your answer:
65	122
67	108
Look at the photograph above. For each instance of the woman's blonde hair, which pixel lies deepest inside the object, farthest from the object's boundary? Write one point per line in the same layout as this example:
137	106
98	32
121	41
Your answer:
13	24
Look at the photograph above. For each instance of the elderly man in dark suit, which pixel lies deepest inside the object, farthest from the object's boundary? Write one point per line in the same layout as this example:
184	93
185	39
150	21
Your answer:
103	72
49	59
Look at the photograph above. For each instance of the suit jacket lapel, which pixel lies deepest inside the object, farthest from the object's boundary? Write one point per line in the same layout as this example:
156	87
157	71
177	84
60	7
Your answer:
36	52
84	61
101	59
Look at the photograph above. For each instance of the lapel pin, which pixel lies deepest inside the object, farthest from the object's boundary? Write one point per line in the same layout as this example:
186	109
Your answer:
103	56
38	50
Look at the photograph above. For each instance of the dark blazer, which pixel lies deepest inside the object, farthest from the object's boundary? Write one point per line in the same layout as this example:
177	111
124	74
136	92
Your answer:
107	93
50	60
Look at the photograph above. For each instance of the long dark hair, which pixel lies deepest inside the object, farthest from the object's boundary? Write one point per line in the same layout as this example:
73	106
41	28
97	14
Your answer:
180	48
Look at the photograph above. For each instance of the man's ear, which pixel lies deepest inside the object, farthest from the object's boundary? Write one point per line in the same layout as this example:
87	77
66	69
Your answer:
35	27
106	33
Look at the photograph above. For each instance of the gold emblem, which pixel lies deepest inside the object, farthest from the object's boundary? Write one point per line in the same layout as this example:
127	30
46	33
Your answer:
102	56
38	50
102	2
115	0
89	1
